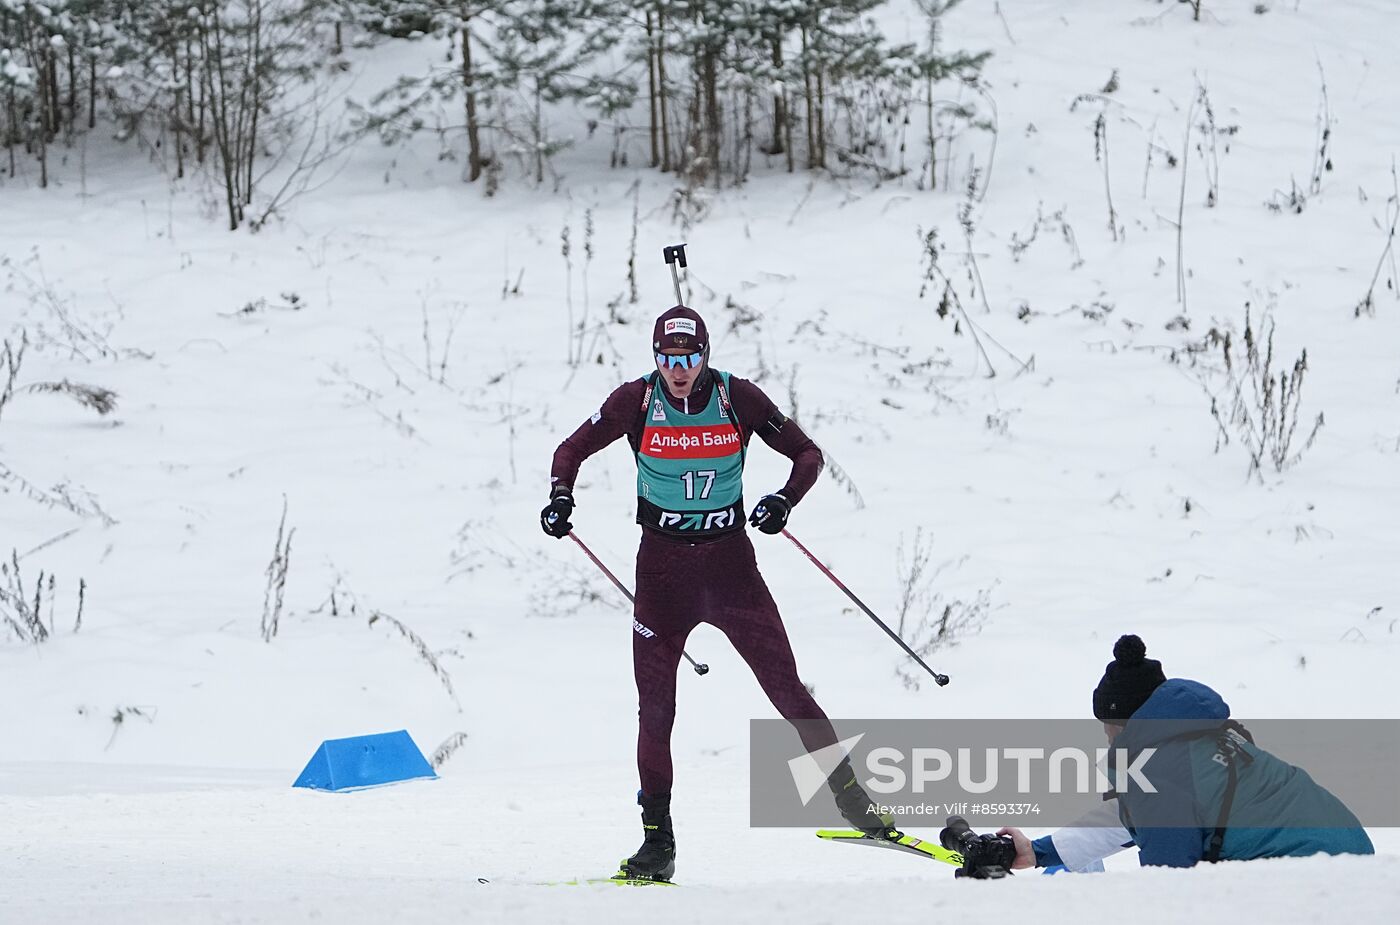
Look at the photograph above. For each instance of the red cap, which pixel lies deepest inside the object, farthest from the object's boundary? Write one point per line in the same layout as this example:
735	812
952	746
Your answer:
680	327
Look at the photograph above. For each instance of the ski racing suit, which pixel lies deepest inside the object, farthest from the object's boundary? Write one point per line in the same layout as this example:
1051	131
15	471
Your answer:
695	563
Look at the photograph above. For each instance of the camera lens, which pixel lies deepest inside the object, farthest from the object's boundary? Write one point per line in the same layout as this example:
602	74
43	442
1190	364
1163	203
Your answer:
957	834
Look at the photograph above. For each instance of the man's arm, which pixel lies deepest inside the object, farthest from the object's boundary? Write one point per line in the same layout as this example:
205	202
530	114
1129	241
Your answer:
1162	824
1080	848
1167	823
618	417
758	415
1081	845
1170	847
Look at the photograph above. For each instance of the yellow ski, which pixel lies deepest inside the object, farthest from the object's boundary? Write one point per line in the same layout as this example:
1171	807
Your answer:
906	843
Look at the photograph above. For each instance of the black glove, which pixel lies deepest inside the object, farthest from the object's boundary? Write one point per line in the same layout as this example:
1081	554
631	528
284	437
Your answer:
554	519
771	514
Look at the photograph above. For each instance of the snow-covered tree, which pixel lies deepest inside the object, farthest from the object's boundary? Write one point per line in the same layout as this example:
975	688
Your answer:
32	43
514	59
214	84
931	65
470	26
545	51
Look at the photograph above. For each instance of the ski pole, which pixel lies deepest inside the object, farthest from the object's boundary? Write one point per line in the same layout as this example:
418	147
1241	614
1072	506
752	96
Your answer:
675	254
700	667
939	679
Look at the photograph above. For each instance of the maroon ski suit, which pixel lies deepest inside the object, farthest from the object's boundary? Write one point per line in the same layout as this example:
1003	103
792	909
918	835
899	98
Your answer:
684	582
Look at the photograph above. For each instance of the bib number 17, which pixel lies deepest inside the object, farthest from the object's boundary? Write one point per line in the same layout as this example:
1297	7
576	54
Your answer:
690	478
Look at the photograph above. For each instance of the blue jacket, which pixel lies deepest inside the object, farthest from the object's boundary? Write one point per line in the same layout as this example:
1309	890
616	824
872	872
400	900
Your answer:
1277	811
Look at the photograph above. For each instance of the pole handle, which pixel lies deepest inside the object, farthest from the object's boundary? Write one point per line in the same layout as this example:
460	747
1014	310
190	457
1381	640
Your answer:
674	255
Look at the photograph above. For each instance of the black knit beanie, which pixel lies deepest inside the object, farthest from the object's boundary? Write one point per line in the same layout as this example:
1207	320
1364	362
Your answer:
1127	682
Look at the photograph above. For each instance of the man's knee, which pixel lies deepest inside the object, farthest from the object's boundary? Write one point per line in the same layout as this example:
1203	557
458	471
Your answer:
656	719
784	687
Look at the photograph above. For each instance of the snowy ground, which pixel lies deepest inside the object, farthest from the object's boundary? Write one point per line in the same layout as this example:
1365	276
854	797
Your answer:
1085	497
226	848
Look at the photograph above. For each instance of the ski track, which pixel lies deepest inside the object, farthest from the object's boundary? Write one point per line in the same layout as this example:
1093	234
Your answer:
189	844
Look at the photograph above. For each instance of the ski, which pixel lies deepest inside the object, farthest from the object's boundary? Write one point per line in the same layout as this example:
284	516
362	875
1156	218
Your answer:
621	878
906	843
618	879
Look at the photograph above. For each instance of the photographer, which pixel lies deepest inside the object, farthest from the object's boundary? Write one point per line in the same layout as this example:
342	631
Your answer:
1246	803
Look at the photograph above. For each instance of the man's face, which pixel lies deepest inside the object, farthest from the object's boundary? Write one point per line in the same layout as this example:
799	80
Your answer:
680	373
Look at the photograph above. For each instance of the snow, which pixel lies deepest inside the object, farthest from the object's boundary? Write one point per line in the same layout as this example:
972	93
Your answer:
224	847
1062	492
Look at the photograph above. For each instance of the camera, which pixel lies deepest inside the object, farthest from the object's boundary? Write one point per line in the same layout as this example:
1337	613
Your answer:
985	857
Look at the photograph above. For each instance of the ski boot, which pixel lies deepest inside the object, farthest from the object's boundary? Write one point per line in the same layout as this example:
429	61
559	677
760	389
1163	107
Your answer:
656	859
855	804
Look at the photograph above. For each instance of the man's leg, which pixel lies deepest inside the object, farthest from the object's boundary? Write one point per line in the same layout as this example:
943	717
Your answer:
655	659
749	617
746	613
659	631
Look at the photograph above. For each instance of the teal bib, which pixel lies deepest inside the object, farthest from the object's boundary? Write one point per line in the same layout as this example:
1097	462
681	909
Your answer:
690	467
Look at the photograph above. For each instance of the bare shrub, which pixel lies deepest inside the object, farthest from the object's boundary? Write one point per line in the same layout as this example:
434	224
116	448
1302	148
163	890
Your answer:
103	401
22	610
927	621
10	360
572	589
56	323
1208	147
276	573
1055	223
1295	200
841	477
1101	154
934	275
65	495
119	716
1261	403
425	654
447	749
1322	159
1367	305
342	601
